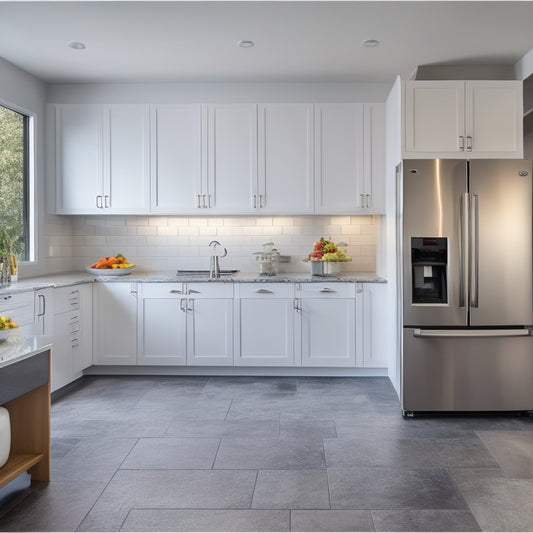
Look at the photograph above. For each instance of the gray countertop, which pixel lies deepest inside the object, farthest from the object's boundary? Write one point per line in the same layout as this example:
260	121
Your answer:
74	278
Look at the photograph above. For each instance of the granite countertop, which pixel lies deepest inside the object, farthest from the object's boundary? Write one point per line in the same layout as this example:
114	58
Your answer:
18	347
74	278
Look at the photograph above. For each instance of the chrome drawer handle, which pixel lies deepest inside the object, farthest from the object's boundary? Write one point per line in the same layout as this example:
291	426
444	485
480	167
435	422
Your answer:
264	291
327	289
176	291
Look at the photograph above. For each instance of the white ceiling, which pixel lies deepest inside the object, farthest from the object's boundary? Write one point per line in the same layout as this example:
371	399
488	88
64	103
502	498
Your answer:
134	41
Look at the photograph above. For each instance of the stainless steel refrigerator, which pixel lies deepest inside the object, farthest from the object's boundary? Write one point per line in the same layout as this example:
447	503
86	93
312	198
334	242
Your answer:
466	285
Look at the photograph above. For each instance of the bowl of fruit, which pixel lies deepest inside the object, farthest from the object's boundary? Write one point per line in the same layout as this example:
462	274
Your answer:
115	265
7	325
326	257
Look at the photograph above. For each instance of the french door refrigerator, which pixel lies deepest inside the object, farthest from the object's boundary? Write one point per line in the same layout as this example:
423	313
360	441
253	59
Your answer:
466	285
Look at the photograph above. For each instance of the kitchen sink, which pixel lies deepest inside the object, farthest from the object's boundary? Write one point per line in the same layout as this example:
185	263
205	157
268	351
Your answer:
204	273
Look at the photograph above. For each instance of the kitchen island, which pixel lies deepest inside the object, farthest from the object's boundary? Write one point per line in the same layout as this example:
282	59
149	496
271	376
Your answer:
25	393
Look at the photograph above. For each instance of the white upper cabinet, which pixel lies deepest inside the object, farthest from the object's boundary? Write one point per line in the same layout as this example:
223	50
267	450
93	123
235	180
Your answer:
178	166
463	119
126	159
232	158
102	159
350	158
79	170
286	159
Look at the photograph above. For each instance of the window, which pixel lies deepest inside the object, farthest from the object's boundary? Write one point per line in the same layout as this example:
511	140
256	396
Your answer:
14	180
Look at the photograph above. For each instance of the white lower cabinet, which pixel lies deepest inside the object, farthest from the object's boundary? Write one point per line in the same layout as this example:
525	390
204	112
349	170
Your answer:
186	324
326	332
371	341
72	330
115	323
264	324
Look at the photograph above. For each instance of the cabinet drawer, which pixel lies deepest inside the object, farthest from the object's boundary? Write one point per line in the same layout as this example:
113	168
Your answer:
327	290
163	290
66	299
265	290
14	301
210	290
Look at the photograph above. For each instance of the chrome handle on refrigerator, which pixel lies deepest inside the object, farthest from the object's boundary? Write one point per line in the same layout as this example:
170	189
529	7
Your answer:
474	244
471	333
461	143
463	247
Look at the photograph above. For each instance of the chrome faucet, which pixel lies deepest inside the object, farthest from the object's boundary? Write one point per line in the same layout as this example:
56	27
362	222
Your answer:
214	269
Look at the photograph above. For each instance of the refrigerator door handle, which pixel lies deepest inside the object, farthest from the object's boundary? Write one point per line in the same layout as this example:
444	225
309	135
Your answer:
463	250
474	244
471	332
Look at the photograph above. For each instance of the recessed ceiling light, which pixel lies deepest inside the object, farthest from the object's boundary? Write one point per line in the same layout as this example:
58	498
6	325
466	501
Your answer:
76	45
245	44
370	43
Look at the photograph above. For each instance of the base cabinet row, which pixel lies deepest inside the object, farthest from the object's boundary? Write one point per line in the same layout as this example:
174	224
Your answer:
242	324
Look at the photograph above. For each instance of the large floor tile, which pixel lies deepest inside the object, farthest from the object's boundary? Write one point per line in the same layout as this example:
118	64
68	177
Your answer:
404	453
172	453
252	387
169	489
425	520
291	489
293	427
500	504
55	506
391	488
205	520
259	429
513	450
92	460
290	454
339	520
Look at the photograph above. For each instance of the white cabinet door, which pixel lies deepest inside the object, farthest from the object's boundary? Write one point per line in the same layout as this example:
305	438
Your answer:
79	160
210	331
264	325
494	118
350	158
115	323
435	117
232	158
339	157
178	158
328	332
126	159
20	308
162	324
371	339
326	324
61	363
286	158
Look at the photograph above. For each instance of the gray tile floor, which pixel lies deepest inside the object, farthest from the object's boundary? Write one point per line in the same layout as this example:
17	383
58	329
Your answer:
272	454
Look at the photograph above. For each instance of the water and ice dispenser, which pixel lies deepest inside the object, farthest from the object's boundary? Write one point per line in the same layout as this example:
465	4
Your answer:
429	262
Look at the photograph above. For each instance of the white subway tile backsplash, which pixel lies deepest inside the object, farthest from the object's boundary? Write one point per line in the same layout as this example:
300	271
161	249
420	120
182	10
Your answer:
170	242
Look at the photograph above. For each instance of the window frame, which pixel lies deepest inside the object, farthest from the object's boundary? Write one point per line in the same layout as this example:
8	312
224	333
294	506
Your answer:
29	200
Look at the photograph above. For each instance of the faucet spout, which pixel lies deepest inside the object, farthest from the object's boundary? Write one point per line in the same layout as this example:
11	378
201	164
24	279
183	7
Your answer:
214	269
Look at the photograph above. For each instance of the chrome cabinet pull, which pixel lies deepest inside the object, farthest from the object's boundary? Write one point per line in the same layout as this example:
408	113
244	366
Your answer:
193	291
261	201
254	201
469	144
297	307
99	202
42	301
176	291
183	302
264	291
191	303
204	205
461	143
198	204
209	201
368	200
362	200
327	289
106	201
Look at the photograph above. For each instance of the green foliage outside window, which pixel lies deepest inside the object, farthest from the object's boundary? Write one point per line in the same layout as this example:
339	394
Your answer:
12	197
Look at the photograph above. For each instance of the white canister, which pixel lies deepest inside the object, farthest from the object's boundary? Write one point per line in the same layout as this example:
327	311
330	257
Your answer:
5	436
